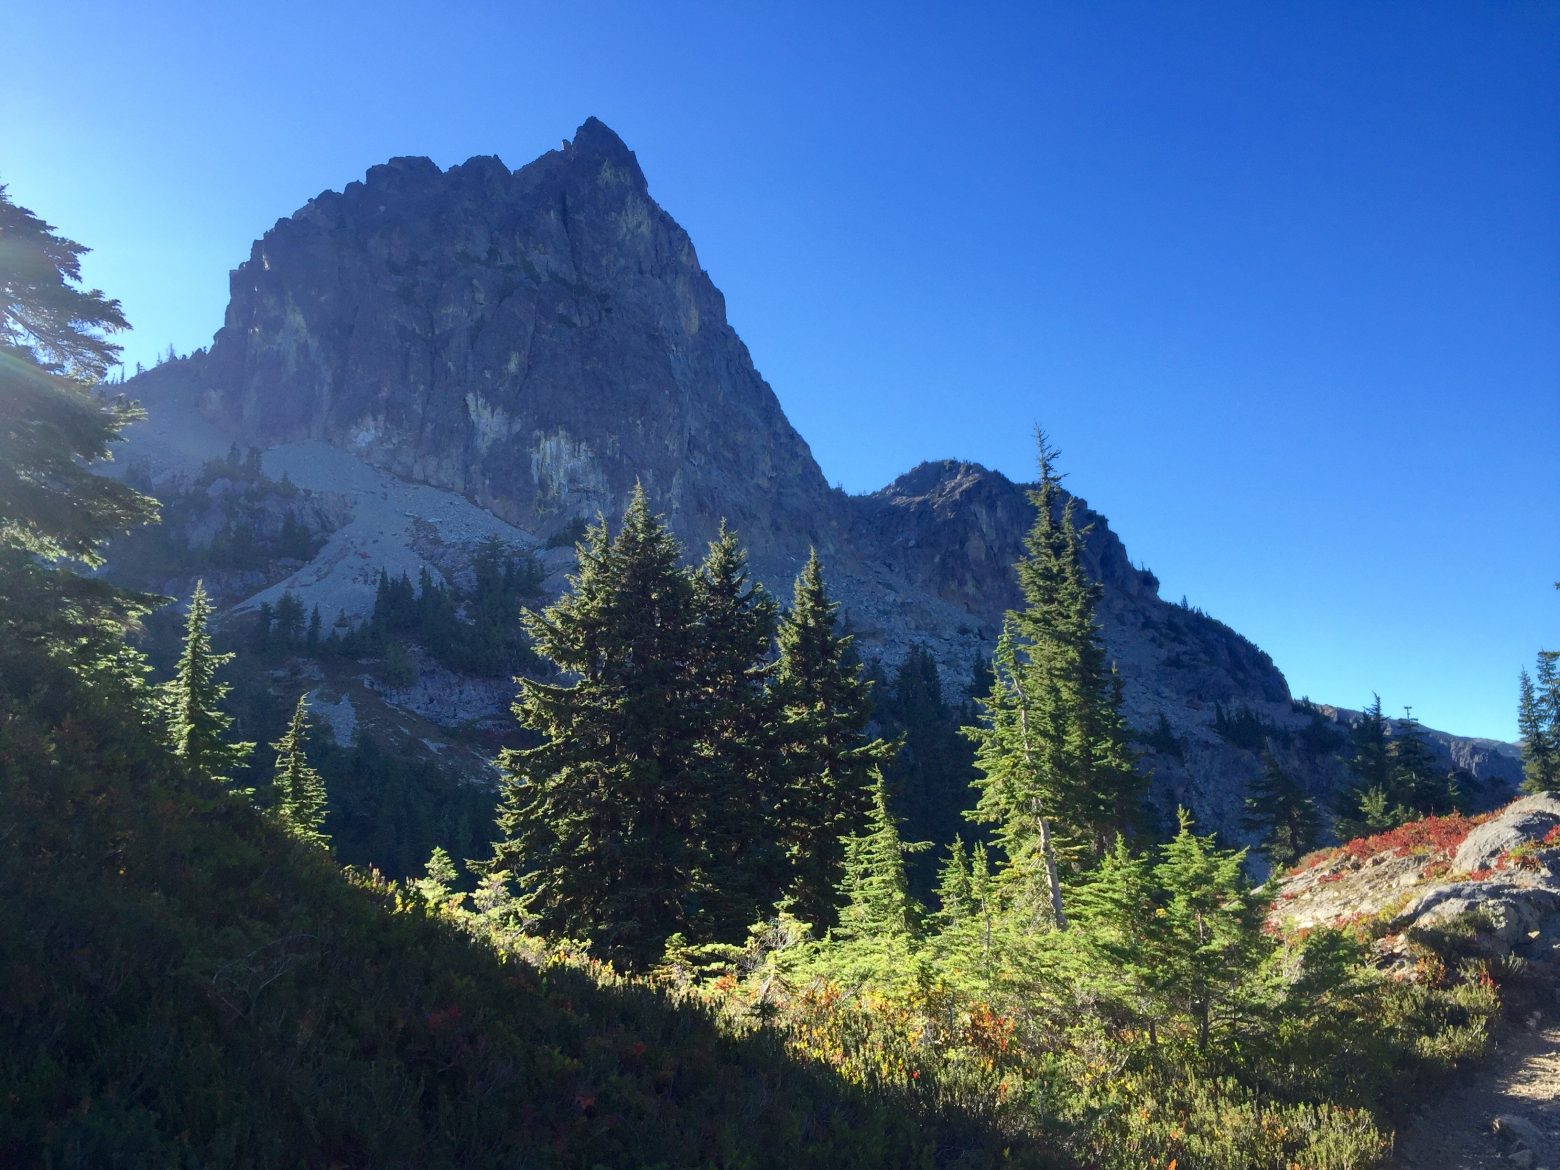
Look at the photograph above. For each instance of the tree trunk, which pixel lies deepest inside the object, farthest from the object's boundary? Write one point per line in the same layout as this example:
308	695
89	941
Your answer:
1053	887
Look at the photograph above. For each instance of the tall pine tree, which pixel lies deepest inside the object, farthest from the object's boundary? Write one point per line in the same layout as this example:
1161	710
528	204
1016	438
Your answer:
1052	744
53	426
1418	783
197	725
595	822
1366	805
827	761
299	789
1279	810
735	781
1538	720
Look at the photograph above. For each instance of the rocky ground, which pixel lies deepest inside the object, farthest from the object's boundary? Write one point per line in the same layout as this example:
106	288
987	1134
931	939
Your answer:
1506	1114
1494	882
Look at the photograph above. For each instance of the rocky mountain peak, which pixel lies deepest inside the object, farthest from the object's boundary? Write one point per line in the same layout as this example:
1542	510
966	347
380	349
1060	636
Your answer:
597	151
534	340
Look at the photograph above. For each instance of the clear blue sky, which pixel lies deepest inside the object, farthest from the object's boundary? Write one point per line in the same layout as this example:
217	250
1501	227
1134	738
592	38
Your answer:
1282	280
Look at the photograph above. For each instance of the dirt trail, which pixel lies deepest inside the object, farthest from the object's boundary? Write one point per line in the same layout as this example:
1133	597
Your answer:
1521	1078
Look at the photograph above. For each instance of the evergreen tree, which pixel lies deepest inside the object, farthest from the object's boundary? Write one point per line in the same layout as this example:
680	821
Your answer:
878	937
1279	810
1179	942
930	775
1417	782
1021	789
1538	720
437	885
1209	940
734	784
594	821
955	894
1115	912
1052	745
53	427
1366	805
197	725
300	790
876	892
974	939
823	708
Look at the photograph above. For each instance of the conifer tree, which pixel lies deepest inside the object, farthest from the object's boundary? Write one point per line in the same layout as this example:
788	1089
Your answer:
300	790
1538	721
197	725
1365	805
594	821
880	923
973	934
1280	811
1209	940
1115	911
437	885
929	778
1417	783
823	709
53	426
734	782
1052	744
876	892
1179	940
955	896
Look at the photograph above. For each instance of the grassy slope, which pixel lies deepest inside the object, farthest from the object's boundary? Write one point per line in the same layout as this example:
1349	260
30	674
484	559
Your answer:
182	985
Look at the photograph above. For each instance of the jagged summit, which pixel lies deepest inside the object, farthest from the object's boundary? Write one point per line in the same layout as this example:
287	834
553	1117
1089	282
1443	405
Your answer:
596	143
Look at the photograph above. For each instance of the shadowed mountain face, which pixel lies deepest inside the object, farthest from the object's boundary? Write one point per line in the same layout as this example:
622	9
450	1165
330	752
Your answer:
535	341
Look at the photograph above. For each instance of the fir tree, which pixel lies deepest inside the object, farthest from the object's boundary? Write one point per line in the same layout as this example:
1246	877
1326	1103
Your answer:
1021	788
1052	745
53	427
930	775
878	937
437	885
973	935
823	708
876	892
1209	940
1279	810
734	783
1365	805
300	790
1417	783
1115	911
1538	721
955	896
594	822
1179	941
197	725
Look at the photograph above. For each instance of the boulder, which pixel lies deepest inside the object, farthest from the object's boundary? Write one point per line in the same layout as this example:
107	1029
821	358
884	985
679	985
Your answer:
1522	822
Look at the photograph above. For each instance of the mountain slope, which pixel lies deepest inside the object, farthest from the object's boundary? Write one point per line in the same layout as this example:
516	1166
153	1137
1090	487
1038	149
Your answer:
183	985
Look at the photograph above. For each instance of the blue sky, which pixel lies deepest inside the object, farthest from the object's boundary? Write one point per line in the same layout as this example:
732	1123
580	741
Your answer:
1282	280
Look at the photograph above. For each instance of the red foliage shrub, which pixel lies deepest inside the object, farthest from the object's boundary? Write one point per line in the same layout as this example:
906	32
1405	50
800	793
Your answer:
1552	837
1431	835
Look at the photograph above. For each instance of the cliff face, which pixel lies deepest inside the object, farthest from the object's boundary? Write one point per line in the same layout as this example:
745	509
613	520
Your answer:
534	340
